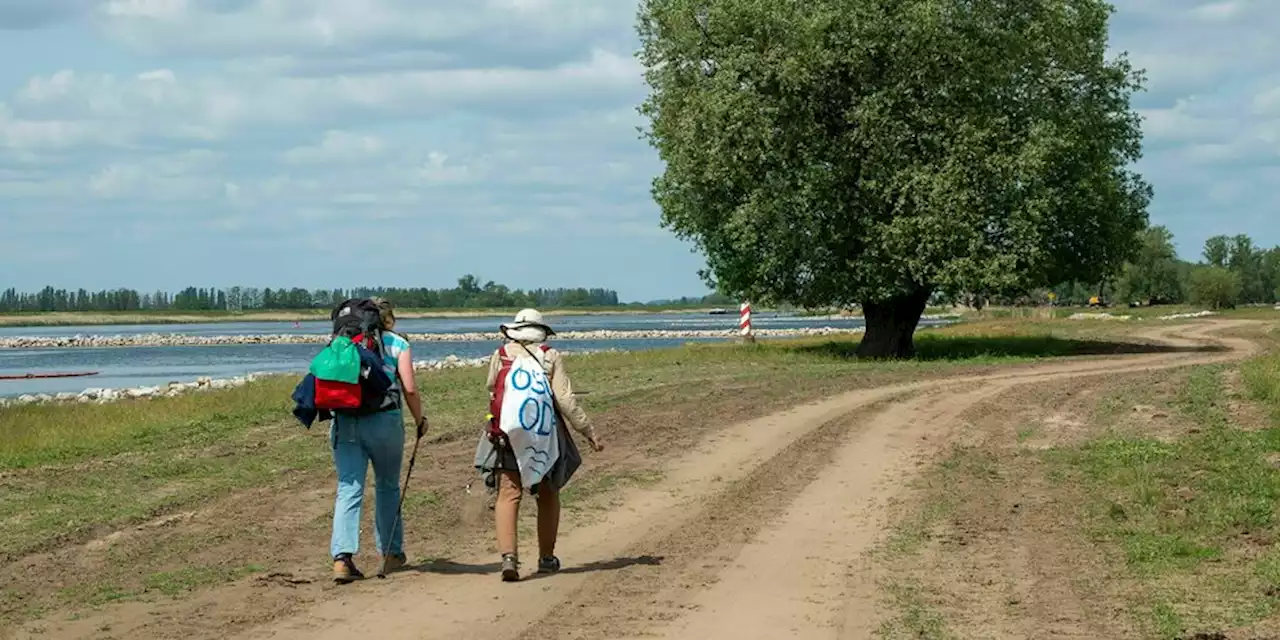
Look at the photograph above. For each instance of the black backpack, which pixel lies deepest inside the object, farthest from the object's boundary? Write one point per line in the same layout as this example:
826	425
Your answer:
358	317
359	320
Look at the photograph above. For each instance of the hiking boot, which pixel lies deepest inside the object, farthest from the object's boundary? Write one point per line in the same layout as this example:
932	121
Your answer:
345	571
392	564
510	568
549	564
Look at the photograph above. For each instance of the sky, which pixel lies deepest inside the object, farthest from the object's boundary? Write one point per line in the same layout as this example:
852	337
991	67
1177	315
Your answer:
156	144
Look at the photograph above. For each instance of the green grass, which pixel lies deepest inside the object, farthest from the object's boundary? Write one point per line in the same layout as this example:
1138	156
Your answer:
915	619
33	435
1262	379
1183	512
165	583
987	342
911	536
1068	311
172	583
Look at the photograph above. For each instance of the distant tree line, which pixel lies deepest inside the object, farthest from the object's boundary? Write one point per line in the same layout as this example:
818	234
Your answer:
469	294
1232	271
713	299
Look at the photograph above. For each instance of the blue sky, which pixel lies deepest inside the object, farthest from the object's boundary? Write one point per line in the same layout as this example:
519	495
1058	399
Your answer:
160	143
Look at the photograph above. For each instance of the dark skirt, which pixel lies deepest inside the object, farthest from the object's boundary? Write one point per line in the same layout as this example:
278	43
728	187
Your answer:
491	458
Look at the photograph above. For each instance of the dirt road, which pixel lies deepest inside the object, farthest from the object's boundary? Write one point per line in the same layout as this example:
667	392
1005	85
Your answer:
760	532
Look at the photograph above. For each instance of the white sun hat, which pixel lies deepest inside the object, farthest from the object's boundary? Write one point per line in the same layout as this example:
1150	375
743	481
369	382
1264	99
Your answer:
526	319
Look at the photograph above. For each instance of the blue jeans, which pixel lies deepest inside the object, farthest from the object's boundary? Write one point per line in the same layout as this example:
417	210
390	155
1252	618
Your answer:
357	441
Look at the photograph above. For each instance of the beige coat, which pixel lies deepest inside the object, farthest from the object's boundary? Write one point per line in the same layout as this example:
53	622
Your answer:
553	364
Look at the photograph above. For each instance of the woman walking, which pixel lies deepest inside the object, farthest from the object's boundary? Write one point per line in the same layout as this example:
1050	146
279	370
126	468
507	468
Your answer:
378	438
525	338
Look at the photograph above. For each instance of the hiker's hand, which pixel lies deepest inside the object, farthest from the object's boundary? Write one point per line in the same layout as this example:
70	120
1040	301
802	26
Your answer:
422	426
594	440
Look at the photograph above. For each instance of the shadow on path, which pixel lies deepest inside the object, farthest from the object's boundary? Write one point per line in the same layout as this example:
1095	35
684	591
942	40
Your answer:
449	567
934	348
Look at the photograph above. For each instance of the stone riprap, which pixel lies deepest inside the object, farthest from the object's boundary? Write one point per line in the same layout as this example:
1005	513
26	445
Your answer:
1108	316
179	340
1185	316
205	383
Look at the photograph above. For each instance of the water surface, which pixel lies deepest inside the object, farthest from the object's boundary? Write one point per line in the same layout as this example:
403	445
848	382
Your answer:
121	367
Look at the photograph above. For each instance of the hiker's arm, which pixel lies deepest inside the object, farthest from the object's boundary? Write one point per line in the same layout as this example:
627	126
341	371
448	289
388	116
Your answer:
409	387
568	404
495	365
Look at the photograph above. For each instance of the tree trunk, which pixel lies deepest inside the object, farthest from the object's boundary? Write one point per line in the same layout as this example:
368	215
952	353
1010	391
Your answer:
891	326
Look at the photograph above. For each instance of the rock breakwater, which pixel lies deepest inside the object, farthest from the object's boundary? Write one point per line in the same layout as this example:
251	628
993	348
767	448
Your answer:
181	340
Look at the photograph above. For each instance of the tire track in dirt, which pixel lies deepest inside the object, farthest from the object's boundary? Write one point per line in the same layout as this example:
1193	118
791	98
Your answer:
772	511
785	582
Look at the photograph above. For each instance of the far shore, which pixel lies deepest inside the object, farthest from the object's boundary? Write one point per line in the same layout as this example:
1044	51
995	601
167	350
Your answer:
95	318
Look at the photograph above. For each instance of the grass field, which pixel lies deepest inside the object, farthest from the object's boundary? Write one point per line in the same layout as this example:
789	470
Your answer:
1148	502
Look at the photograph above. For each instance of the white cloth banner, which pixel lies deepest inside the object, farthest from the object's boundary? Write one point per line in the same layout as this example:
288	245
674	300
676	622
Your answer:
529	419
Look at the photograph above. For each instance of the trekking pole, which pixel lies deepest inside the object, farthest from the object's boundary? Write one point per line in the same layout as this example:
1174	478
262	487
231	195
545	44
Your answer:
382	571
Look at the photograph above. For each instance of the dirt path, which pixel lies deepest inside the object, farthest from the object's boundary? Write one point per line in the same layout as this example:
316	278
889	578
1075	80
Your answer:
758	532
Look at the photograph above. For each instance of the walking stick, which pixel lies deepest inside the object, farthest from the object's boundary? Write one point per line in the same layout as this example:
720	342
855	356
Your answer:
382	571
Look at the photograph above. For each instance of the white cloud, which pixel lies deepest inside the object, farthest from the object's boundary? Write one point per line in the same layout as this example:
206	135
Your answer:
164	76
1185	121
181	176
337	147
546	31
1220	11
146	9
437	170
166	105
1267	102
21	134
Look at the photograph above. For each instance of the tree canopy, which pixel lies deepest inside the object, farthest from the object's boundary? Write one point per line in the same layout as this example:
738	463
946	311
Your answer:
1214	287
833	152
1154	274
1233	270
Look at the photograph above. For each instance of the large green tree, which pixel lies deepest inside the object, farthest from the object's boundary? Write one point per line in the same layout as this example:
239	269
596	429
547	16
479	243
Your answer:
1154	273
1217	250
1246	260
1214	287
1271	274
833	152
1253	266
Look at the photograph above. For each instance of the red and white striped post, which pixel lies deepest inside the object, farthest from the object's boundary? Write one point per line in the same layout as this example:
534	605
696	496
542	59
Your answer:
744	324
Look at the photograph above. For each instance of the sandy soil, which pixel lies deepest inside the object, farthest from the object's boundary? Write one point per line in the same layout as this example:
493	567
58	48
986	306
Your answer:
760	530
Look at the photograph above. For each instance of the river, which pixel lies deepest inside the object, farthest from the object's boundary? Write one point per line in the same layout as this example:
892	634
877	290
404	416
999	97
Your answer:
121	367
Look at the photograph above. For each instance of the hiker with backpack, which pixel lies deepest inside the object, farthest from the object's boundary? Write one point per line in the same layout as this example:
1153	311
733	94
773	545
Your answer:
526	446
363	379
